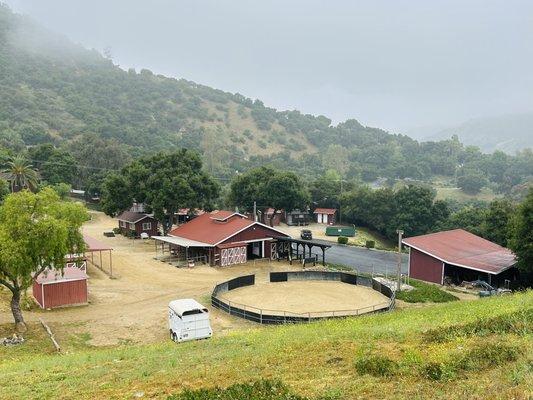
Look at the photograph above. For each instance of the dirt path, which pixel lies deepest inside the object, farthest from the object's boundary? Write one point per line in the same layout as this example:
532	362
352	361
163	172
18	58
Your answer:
133	306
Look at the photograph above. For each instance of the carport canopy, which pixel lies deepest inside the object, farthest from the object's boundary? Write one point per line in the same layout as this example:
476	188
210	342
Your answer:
304	243
92	246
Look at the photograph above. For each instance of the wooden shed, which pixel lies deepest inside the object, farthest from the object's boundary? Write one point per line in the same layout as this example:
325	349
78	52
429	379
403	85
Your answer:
134	223
54	289
325	215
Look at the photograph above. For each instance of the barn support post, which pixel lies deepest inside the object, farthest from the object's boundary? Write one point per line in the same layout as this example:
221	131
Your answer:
323	256
110	264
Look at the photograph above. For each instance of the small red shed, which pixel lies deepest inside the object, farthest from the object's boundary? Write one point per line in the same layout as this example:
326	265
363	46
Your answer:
54	289
325	215
458	255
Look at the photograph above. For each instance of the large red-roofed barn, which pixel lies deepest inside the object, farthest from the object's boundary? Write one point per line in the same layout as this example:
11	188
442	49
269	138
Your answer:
222	238
458	255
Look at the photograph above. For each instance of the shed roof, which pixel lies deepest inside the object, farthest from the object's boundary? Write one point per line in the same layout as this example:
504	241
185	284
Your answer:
133	217
464	249
329	211
183	242
94	244
215	227
183	305
68	274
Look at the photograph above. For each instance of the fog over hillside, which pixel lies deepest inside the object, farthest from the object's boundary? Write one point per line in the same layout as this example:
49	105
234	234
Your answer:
391	64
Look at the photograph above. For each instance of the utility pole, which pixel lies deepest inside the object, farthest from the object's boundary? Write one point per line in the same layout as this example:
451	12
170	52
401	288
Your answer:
400	233
340	219
255	211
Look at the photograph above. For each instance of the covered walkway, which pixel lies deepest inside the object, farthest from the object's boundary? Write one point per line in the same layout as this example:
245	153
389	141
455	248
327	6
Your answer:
292	251
95	246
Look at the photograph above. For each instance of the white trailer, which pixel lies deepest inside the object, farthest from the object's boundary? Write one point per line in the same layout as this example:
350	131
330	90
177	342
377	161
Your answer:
188	320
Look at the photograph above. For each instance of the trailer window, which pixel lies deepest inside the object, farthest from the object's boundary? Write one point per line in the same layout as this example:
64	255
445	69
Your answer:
197	311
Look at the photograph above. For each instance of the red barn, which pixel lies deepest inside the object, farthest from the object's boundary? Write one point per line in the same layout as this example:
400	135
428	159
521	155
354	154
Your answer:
325	215
54	289
222	238
458	255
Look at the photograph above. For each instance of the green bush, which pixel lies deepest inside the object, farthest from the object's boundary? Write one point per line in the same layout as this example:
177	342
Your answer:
376	365
370	244
487	355
425	292
260	390
438	371
117	231
342	240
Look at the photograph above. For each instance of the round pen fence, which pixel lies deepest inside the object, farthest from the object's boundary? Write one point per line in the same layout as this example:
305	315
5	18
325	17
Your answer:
267	316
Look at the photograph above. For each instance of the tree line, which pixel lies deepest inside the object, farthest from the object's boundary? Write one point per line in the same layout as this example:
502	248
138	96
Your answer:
99	117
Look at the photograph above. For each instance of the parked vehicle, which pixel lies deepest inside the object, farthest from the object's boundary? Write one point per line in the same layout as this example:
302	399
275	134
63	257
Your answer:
306	234
188	320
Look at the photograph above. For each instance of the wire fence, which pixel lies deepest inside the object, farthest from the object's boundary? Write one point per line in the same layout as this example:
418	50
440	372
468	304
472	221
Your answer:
270	316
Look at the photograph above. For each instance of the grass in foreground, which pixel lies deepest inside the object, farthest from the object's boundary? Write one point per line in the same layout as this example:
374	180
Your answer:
425	293
379	356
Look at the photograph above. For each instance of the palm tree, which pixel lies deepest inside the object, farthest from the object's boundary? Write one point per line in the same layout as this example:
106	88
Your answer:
21	174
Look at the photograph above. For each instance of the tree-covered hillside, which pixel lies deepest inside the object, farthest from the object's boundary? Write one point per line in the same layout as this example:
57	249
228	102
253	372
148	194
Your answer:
100	116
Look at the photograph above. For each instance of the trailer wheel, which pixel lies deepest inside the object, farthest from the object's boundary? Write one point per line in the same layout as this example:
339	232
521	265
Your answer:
174	337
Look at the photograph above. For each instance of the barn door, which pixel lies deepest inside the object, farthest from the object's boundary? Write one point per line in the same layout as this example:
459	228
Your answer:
274	251
234	255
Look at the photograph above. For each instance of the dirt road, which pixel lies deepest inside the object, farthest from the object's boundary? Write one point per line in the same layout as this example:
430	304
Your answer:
133	306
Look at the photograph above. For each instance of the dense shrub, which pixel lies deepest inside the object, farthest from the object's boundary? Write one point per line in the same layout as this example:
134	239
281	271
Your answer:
260	390
376	365
117	231
519	322
370	244
425	292
342	240
488	355
438	371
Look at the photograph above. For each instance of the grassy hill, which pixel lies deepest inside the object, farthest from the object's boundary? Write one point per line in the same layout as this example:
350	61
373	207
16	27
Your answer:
476	349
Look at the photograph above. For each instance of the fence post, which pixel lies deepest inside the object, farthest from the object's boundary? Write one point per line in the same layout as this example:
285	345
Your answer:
261	316
229	305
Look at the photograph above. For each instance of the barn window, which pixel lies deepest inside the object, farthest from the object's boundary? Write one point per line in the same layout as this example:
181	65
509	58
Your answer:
147	226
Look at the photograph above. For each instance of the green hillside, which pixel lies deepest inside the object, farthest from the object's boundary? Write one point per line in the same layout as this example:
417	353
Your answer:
473	349
54	91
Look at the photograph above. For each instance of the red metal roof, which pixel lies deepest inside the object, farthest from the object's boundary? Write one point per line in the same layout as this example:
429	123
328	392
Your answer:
329	211
464	249
214	227
68	274
94	245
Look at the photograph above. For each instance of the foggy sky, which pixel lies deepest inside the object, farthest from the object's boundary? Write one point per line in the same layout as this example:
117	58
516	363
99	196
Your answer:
396	64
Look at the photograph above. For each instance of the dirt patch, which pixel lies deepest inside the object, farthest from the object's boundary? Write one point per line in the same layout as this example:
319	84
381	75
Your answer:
303	297
132	308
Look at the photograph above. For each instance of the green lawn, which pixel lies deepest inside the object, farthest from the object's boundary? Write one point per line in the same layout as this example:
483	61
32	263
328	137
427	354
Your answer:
363	234
454	193
387	355
425	293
